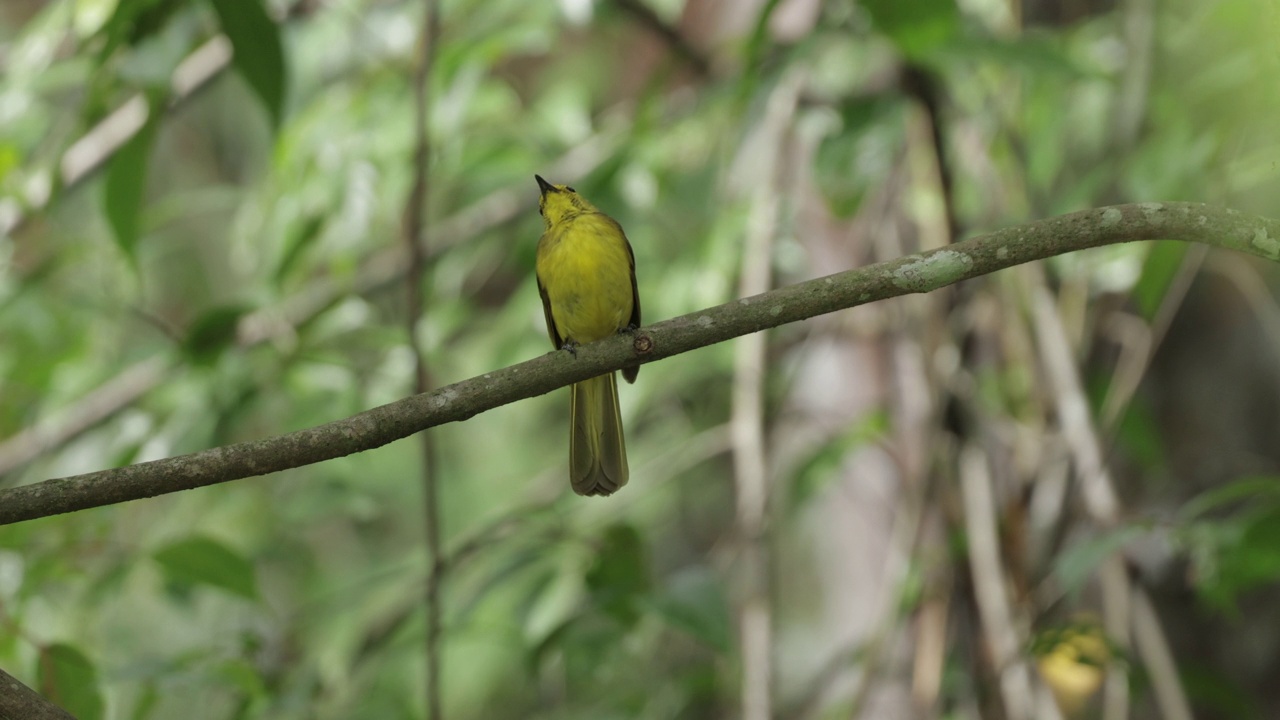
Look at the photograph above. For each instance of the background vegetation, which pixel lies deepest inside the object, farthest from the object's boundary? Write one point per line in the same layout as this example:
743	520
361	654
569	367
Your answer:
904	497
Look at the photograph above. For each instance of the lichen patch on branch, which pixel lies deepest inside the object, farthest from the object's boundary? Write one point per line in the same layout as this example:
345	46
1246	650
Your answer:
1266	244
930	272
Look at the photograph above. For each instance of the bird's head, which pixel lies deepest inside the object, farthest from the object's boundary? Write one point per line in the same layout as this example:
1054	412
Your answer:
559	202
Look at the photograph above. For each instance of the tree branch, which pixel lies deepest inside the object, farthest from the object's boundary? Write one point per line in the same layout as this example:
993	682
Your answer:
19	702
1191	222
670	35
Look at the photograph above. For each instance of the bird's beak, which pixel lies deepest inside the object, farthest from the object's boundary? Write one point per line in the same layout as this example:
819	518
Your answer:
543	185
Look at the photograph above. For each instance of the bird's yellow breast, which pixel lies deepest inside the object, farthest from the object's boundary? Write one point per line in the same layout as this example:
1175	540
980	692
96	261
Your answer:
585	268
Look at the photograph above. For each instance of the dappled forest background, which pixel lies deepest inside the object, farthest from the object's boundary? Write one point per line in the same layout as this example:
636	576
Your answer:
1062	480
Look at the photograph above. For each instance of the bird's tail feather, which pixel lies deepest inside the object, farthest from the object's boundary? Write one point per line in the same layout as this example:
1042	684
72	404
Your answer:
597	451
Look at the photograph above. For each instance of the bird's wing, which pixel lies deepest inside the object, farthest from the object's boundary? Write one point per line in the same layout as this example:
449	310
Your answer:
556	340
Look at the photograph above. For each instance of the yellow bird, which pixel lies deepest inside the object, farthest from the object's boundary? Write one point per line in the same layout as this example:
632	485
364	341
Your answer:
1073	661
587	279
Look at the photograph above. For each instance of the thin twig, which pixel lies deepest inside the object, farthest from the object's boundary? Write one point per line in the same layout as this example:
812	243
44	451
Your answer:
416	240
95	407
922	84
1097	490
750	465
1138	23
920	402
919	273
93	149
671	36
96	147
1158	660
1128	377
388	266
656	471
998	622
1256	293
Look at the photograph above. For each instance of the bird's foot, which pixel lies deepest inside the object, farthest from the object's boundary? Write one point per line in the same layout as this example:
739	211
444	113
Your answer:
571	346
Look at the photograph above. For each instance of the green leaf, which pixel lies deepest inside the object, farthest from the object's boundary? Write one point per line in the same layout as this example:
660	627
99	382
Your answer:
1258	489
259	56
1139	433
1078	562
857	158
693	603
1158	271
1216	690
820	467
204	561
243	676
553	640
917	27
554	596
126	180
753	53
212	333
516	564
68	678
134	21
147	701
298	241
10	159
1263	535
1034	55
620	576
1245	560
1096	653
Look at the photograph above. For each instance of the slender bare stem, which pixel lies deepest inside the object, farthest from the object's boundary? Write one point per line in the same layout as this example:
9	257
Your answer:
750	463
416	241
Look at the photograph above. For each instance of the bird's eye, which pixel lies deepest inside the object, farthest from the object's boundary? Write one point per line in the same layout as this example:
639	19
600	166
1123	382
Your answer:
566	187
